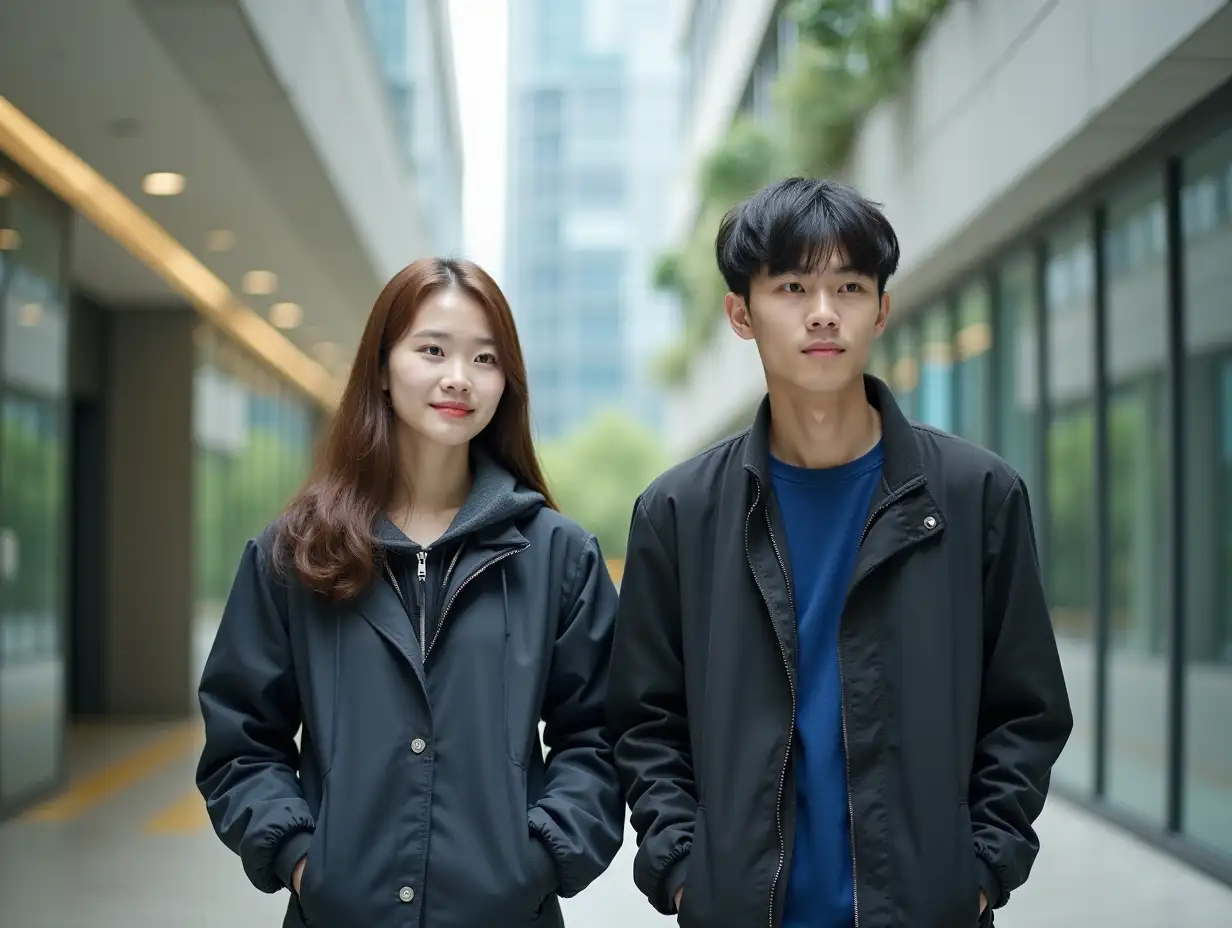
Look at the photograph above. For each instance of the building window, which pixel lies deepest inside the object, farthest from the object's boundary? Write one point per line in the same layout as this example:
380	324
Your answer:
1206	218
599	187
600	113
937	369
973	363
1135	346
905	367
879	359
1069	500
1018	373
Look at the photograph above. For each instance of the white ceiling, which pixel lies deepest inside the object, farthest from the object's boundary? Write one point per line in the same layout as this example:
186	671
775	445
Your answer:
133	86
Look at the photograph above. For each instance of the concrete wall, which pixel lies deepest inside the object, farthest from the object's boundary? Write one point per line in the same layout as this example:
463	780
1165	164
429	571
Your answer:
738	37
148	552
1013	106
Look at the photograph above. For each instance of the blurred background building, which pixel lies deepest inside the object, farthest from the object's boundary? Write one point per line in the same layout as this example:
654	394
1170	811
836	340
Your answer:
1060	176
593	122
198	204
414	47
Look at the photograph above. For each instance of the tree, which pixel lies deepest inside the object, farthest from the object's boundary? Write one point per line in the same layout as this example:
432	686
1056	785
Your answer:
597	472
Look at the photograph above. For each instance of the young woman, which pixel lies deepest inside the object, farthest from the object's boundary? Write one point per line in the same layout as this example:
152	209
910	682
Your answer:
415	613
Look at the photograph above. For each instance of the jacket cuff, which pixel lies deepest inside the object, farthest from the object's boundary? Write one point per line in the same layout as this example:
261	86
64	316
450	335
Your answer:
990	882
290	854
673	880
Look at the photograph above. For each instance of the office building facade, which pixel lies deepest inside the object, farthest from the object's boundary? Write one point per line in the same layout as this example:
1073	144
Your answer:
592	127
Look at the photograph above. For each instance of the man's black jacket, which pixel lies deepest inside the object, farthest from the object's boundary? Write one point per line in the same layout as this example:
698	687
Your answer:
954	706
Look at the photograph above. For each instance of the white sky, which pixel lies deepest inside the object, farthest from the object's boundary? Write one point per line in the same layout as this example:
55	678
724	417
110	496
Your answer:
480	60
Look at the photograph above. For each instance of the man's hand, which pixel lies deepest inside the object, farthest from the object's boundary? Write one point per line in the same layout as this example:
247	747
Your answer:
679	893
298	874
983	902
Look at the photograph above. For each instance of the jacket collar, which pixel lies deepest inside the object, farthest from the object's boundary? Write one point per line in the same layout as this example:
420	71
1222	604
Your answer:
901	454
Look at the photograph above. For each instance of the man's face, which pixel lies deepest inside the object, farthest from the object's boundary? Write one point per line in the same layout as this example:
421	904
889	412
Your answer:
813	331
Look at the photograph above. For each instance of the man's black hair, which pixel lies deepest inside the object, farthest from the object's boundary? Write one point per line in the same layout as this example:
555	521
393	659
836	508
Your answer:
797	225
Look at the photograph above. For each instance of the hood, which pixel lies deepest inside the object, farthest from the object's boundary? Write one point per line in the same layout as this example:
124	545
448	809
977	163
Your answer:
496	499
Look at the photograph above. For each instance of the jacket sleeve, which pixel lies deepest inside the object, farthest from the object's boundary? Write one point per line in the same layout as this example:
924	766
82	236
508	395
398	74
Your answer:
646	708
1024	719
580	817
250	704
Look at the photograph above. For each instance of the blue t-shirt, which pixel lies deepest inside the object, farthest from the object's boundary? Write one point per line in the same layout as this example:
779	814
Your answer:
823	512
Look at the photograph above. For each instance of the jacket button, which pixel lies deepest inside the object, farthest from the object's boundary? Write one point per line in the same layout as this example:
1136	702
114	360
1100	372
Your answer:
930	523
418	745
406	894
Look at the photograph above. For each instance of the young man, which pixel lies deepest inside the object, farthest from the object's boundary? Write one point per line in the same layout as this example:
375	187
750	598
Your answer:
835	685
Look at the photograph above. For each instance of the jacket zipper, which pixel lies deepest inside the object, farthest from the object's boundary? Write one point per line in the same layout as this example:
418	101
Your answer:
851	810
480	569
421	574
778	813
791	732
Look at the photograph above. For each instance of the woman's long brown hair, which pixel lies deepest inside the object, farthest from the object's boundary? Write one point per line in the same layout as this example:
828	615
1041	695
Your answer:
326	533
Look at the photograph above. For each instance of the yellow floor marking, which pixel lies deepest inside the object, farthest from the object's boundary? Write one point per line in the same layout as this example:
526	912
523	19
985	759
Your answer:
184	816
94	789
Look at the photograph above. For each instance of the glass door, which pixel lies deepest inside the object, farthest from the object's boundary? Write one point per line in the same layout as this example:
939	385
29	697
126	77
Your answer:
33	346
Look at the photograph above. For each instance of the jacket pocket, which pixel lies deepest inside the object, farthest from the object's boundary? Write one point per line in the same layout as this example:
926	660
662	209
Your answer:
314	862
967	868
696	904
522	684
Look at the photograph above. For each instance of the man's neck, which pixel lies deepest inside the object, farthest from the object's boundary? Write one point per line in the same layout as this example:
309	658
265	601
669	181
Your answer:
822	430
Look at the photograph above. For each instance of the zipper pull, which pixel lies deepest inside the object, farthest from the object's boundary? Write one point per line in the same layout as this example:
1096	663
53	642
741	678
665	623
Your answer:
422	571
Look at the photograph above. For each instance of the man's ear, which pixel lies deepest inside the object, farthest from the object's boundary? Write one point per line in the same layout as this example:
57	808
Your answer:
737	308
883	313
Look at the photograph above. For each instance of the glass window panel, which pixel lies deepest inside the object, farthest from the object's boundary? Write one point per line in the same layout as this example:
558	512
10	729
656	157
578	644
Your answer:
1069	276
1018	373
905	369
937	369
973	363
879	359
1206	218
1135	342
33	484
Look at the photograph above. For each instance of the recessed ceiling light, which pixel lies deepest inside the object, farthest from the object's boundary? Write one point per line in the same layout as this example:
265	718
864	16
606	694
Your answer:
220	240
163	184
30	315
326	353
260	283
6	186
10	239
286	315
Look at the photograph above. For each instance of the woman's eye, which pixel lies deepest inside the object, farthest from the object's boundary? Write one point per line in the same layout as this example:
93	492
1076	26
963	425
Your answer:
486	358
433	350
794	287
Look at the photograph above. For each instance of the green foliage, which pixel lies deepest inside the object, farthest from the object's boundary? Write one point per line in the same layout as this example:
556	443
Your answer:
597	472
744	161
847	60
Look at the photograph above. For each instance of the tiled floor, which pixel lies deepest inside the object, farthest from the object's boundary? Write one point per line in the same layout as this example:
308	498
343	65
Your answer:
129	847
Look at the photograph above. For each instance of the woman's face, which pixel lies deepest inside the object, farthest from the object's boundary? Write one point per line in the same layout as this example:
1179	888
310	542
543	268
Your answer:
443	377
